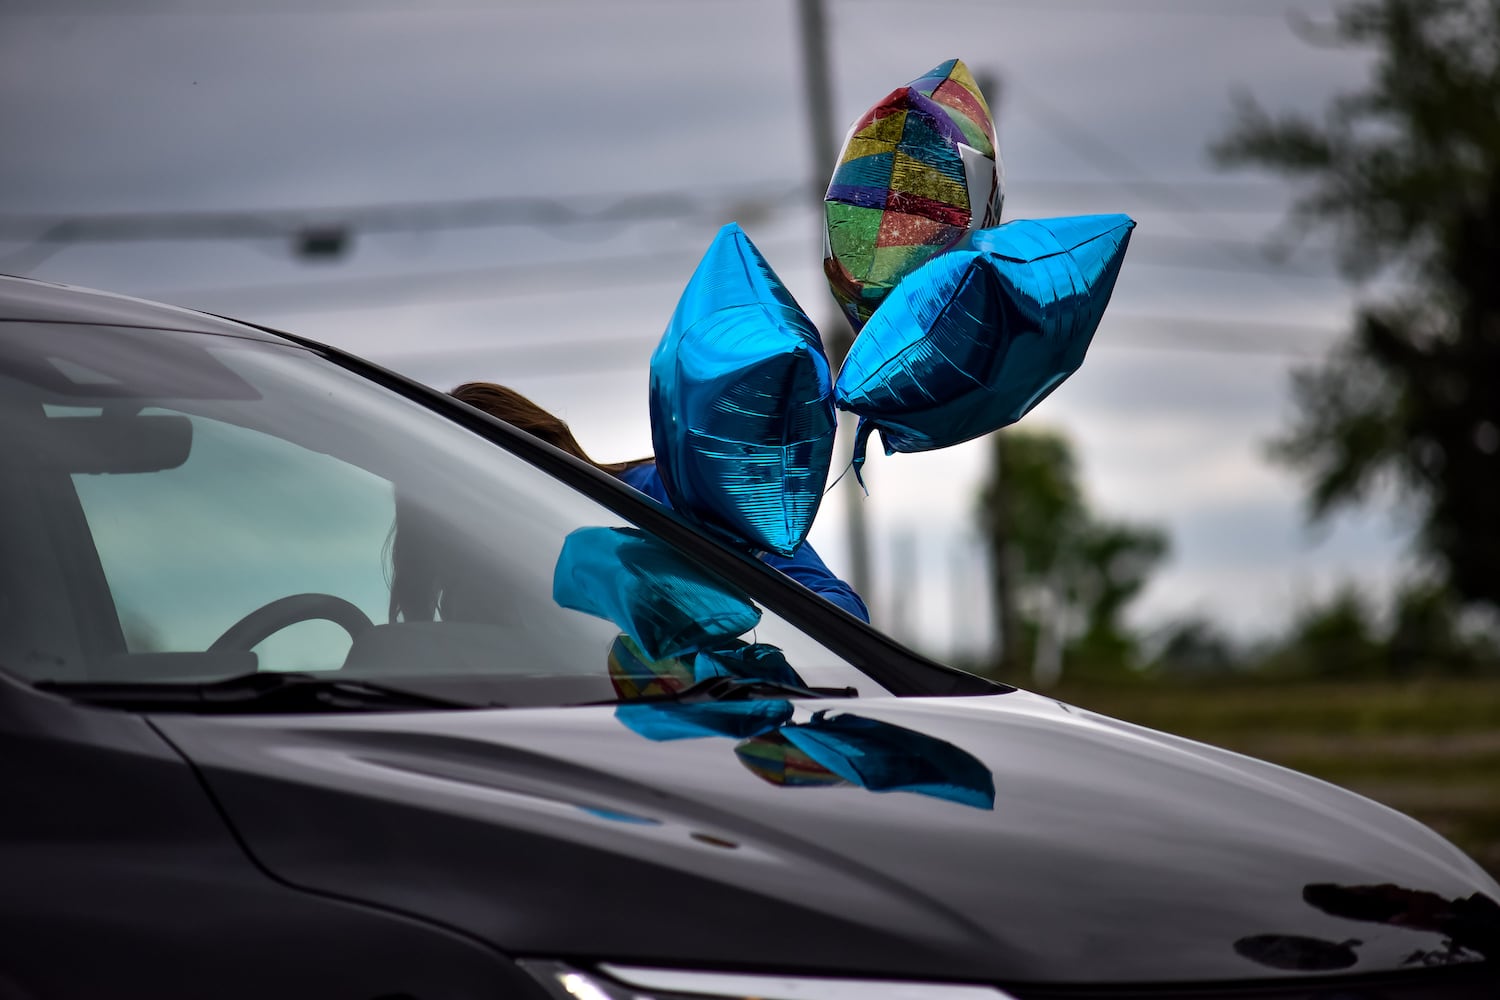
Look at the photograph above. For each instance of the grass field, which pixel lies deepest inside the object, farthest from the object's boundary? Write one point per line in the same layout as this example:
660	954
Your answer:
1430	748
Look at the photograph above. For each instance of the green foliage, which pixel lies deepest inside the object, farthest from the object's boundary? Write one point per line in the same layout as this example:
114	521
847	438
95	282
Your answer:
1196	648
1073	573
1337	639
1428	635
1114	561
1407	173
1423	633
1043	507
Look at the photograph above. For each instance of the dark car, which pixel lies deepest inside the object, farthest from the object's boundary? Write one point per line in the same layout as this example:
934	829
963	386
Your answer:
315	682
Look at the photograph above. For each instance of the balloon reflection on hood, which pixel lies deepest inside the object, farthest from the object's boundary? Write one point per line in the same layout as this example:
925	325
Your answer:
666	721
882	757
828	750
773	758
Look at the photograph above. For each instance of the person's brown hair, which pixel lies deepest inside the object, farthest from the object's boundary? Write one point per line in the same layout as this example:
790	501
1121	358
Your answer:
518	411
416	546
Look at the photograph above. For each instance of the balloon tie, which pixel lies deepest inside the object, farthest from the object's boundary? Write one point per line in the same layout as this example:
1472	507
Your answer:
856	463
839	479
861	441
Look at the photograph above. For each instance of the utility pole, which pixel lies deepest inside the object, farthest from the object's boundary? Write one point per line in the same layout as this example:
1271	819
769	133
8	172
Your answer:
903	615
837	335
1003	563
1003	557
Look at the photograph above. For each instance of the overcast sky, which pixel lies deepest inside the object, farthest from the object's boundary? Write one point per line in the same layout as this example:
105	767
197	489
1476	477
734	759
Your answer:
1102	105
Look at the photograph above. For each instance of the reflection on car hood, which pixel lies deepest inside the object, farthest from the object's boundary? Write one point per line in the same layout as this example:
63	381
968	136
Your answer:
1002	838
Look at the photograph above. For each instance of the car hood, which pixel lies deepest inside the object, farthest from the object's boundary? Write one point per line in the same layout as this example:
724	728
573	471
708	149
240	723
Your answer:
1004	838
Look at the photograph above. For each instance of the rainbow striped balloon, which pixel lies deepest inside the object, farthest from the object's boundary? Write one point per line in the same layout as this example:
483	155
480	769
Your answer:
918	171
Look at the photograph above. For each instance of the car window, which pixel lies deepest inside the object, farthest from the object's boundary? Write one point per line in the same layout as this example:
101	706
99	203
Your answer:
247	519
197	507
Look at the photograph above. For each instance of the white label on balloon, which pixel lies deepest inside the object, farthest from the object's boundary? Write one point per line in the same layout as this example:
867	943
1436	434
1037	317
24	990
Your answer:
979	177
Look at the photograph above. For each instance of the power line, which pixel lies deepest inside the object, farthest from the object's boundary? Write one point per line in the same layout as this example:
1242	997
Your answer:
595	355
1208	348
1168	334
391	217
46	234
1130	175
481	283
1211	335
1126	8
1180	197
1202	185
302	8
645	268
590	357
1243	257
1114	163
1171	249
534	211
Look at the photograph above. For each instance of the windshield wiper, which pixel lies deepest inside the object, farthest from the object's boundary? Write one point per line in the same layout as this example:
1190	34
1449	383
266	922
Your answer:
723	688
269	692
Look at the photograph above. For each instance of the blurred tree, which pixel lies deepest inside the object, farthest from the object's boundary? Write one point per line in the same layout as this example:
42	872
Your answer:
1336	638
1407	172
1071	574
1196	648
1428	634
1113	561
1423	632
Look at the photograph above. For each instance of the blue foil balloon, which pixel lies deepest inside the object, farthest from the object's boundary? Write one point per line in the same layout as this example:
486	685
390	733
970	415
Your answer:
742	416
976	337
653	593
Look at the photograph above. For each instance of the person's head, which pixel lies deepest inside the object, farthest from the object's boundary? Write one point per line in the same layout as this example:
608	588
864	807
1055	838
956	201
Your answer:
518	411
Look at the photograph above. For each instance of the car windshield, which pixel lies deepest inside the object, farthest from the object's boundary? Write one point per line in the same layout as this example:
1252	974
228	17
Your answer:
188	508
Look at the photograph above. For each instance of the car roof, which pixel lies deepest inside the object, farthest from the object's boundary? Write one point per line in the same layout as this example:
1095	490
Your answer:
29	300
